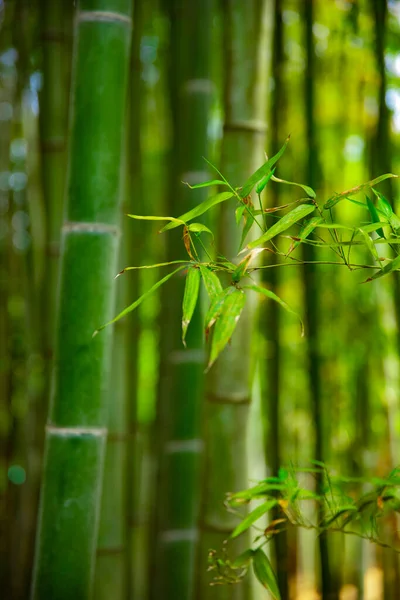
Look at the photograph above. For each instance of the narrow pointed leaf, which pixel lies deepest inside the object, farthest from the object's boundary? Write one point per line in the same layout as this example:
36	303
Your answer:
245	231
263	170
264	181
215	307
374	215
199	210
355	190
273	296
251	518
385	207
176	222
243	559
139	301
190	296
309	191
284	223
165	264
225	325
205	184
239	213
199	228
370	245
305	231
394	265
211	282
265	573
241	269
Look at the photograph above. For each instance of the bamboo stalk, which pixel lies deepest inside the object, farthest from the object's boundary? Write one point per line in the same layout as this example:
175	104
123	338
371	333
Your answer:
182	370
247	53
271	321
329	584
76	432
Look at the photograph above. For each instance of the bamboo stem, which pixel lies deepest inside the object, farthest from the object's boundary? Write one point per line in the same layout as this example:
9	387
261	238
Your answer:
76	433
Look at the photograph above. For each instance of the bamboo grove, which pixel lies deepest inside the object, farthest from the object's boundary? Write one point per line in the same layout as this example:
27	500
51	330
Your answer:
199	299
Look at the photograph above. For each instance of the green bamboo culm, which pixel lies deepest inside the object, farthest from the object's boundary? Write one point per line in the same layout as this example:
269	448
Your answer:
183	369
76	432
247	54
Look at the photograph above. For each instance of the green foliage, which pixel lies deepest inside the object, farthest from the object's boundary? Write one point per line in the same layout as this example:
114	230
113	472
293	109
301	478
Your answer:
345	509
227	301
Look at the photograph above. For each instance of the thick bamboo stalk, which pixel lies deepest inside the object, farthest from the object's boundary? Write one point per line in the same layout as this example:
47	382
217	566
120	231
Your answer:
329	584
182	380
76	430
272	320
247	53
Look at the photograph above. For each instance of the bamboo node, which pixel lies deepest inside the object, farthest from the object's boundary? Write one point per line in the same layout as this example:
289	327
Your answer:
76	431
246	125
103	15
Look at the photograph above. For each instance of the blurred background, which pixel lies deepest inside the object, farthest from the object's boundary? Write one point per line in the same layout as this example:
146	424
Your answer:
227	80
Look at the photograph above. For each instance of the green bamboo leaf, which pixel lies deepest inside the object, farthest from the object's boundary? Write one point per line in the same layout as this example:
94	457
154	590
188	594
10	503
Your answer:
394	265
370	245
151	218
304	232
265	573
215	307
273	296
252	517
309	191
374	215
190	296
264	181
246	228
239	213
205	184
385	207
225	325
284	223
165	264
263	170
355	190
199	228
139	301
211	282
200	209
241	268
243	559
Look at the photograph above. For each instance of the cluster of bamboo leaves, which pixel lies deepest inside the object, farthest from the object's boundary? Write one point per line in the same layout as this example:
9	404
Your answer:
344	510
226	303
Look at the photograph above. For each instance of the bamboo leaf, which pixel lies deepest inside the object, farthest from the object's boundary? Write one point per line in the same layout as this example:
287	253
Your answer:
200	209
205	184
151	218
199	228
239	213
215	308
355	190
241	269
231	310
309	191
263	170
394	265
190	296
265	573
243	559
246	228
251	518
139	301
385	207
284	223
273	296
305	231
211	282
370	245
264	181
374	215
165	264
